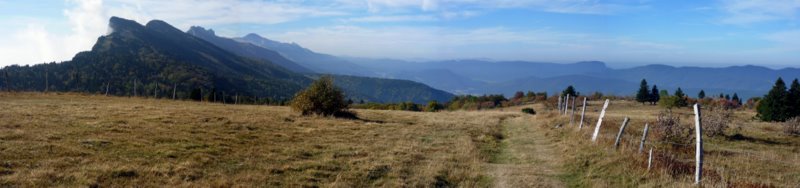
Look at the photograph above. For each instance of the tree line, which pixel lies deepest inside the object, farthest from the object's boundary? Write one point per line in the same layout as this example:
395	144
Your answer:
780	103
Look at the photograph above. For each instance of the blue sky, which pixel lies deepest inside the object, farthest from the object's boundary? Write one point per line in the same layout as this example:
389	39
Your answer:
621	33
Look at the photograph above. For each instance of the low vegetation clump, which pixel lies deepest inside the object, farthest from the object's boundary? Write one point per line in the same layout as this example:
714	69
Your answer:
715	122
433	106
469	102
529	111
677	100
668	129
321	98
792	126
403	106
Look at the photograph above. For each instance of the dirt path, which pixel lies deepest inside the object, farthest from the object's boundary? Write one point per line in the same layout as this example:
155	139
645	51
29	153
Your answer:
528	158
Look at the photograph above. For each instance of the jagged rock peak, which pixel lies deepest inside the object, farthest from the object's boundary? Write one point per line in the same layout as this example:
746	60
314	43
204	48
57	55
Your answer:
197	30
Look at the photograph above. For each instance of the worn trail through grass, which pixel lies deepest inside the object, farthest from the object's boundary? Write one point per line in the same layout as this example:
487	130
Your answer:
528	158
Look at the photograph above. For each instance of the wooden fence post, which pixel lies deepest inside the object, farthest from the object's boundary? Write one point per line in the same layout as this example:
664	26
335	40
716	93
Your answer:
583	112
644	137
621	130
107	86
699	147
174	87
599	122
650	159
559	103
566	104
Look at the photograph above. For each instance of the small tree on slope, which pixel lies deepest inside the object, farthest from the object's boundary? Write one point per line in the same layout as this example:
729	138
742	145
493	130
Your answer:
643	95
320	98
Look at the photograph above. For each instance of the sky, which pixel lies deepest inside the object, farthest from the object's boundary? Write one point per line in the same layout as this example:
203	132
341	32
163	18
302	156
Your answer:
710	33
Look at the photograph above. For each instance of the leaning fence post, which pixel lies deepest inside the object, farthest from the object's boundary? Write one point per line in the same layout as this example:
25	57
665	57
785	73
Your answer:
699	147
644	137
621	130
566	104
599	122
650	159
583	112
174	87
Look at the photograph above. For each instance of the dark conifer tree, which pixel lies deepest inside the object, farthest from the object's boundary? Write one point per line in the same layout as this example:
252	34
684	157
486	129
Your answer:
736	99
570	90
773	107
680	98
643	95
655	96
793	100
701	95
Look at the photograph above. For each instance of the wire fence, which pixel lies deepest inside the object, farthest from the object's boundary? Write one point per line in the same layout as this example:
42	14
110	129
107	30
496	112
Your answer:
710	162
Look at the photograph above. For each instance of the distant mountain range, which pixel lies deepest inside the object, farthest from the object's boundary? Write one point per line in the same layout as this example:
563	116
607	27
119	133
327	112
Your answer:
153	59
321	63
506	77
157	56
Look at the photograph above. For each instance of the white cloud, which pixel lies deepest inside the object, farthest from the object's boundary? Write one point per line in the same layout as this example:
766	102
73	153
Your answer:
39	41
184	13
395	18
559	6
740	12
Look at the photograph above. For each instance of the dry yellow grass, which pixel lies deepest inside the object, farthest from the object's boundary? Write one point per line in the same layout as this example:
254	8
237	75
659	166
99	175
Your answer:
82	140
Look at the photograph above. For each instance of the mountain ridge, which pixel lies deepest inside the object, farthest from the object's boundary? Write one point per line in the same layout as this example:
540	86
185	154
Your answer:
318	62
156	58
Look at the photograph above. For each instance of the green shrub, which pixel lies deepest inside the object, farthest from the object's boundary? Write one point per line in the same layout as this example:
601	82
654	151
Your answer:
433	106
321	98
529	111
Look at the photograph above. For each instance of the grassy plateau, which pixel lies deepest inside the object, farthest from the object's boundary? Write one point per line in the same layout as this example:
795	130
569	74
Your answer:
77	140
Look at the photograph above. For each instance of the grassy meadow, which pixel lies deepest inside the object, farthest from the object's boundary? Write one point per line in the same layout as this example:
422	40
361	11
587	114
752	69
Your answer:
77	140
82	140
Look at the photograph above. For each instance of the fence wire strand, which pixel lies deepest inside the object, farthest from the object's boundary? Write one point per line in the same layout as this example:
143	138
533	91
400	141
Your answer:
708	162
